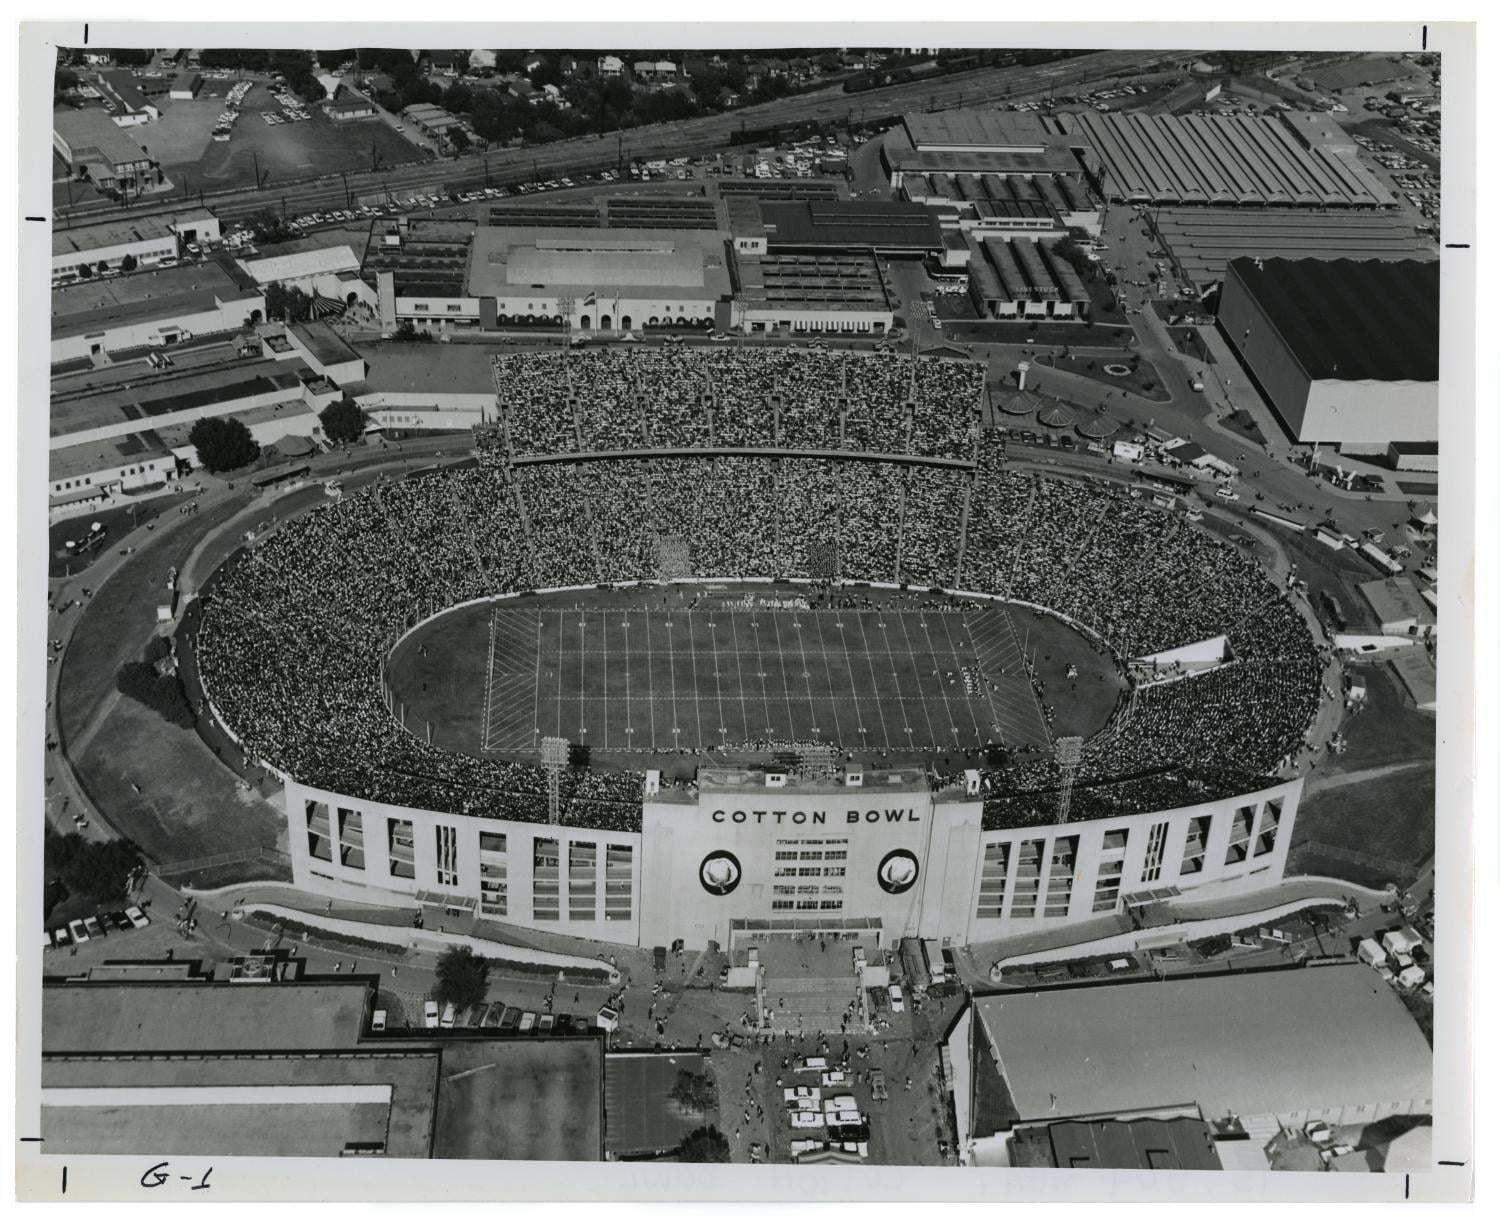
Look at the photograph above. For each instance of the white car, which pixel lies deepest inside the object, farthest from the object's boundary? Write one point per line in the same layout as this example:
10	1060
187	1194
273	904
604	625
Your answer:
377	1022
137	916
806	1118
448	1013
898	1000
1226	494
430	1014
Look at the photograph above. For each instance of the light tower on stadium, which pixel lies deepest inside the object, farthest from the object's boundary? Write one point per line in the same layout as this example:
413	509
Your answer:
1069	752
554	758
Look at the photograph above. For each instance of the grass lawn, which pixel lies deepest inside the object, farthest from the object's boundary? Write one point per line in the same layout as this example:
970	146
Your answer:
1391	818
188	804
626	674
1142	380
1388	730
996	332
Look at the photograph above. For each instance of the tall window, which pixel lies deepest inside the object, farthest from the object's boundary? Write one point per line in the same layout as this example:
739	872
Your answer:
1111	868
319	835
447	855
992	880
583	874
403	848
1060	877
494	870
1196	848
1270	823
1028	878
544	879
351	838
618	870
1238	849
1156	849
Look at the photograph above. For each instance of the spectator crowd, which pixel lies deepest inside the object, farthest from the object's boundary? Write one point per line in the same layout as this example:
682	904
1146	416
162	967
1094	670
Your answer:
295	630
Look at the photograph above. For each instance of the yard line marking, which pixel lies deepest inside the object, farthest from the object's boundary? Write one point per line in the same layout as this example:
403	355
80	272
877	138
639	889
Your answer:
765	690
869	663
740	673
672	669
962	649
650	682
890	653
489	691
692	648
629	718
951	729
786	689
558	730
713	638
603	699
833	696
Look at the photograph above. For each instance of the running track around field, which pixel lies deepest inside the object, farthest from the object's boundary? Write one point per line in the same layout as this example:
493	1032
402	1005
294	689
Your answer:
646	679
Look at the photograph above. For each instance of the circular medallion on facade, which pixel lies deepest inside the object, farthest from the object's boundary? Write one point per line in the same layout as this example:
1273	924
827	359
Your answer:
897	872
719	873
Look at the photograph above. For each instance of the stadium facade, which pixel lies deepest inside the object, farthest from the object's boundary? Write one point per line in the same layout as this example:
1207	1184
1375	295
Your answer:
752	853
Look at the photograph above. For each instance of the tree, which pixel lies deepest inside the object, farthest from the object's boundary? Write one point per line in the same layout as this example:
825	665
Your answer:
343	421
223	443
287	303
97	870
128	263
695	1091
707	1144
85	271
463	978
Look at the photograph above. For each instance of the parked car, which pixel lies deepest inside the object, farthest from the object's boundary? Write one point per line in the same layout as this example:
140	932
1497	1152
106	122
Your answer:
62	937
377	1022
492	1015
448	1013
95	928
509	1020
79	931
430	1014
528	1022
898	1000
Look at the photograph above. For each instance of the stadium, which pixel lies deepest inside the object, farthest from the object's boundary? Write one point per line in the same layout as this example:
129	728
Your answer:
708	644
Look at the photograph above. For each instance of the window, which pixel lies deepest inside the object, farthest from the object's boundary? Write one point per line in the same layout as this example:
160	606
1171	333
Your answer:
1060	877
351	839
421	306
1195	849
1111	868
1238	849
1270	823
494	874
583	872
619	864
402	848
1156	846
447	855
454	308
544	879
1028	879
992	881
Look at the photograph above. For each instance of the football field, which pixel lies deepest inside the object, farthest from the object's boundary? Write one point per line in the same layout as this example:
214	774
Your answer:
640	678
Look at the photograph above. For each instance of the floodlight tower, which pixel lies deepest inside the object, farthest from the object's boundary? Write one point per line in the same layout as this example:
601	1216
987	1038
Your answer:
554	758
1068	752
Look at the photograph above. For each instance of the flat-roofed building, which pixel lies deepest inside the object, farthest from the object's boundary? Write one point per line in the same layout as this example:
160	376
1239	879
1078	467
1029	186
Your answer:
1344	351
604	280
327	352
149	240
1011	278
981	142
883	227
93	472
1116	1144
1263	1050
96	148
151	308
1399	608
812	293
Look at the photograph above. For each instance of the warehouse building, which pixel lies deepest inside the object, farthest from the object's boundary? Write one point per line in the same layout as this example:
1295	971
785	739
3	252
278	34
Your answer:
891	228
981	142
148	309
1399	608
812	293
149	240
1228	160
1040	205
1330	1043
1344	351
602	280
1018	278
94	147
1203	241
94	471
326	272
